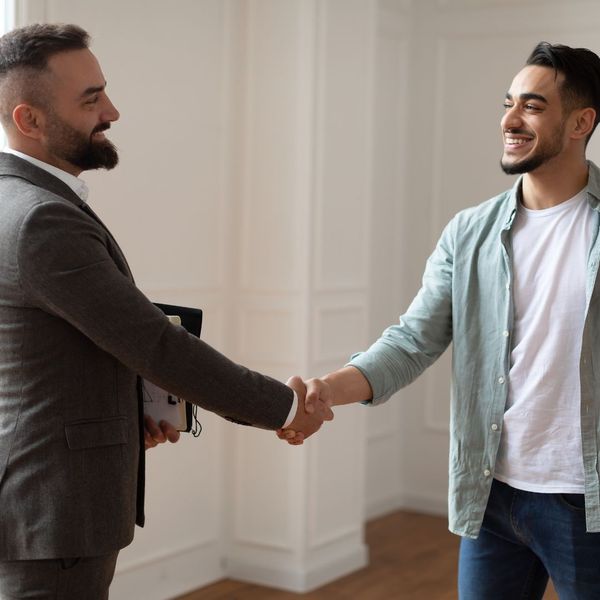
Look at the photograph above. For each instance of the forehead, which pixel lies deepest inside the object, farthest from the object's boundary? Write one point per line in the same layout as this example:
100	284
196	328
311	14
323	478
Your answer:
75	70
535	79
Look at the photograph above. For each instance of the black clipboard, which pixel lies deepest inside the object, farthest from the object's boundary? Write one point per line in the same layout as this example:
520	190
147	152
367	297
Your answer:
160	404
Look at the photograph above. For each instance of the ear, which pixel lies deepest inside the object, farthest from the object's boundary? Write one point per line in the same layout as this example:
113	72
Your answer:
29	121
584	122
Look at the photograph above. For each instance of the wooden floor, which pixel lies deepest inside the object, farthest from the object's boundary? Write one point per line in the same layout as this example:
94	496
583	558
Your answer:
412	556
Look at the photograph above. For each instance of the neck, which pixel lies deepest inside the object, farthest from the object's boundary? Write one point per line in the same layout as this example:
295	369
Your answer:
552	184
35	151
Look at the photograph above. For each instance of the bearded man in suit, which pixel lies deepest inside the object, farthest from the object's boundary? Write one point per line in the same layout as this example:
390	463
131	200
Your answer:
76	335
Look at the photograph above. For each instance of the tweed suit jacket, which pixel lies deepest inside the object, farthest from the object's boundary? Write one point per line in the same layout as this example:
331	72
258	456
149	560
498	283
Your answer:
75	334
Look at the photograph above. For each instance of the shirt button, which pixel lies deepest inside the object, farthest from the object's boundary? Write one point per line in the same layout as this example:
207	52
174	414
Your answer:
494	427
505	333
487	472
500	379
508	286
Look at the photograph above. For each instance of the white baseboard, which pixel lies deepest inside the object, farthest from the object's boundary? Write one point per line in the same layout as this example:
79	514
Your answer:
382	507
431	504
168	577
298	580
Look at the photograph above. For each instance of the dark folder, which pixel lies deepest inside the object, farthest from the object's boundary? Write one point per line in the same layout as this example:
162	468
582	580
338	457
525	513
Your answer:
160	404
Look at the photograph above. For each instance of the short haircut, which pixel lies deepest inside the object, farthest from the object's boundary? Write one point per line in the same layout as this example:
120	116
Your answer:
24	55
581	70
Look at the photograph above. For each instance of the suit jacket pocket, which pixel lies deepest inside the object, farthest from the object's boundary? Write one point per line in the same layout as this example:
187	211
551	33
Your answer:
97	432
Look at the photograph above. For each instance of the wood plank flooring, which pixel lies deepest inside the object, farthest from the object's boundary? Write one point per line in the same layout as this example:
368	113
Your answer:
412	557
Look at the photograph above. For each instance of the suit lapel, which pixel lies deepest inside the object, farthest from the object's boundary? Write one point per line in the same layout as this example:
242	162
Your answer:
14	166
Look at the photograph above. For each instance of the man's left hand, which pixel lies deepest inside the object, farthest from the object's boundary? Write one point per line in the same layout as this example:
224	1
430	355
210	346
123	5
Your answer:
158	434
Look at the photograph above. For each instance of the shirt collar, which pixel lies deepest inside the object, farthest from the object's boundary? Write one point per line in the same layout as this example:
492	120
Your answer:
592	188
514	198
77	185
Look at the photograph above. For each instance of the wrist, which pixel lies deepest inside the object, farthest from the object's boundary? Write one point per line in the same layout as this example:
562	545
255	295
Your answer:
347	385
331	380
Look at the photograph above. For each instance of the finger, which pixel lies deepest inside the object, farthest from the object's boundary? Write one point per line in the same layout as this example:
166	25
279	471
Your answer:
296	383
148	441
169	432
153	429
313	395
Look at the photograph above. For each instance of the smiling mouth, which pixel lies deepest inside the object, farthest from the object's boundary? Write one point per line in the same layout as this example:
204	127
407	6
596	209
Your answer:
515	142
100	129
513	138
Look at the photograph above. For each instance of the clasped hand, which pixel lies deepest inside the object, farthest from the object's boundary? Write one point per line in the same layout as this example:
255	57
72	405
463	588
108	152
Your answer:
314	407
155	434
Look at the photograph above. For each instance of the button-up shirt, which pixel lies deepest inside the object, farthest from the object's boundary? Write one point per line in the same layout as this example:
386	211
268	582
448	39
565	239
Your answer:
77	185
466	299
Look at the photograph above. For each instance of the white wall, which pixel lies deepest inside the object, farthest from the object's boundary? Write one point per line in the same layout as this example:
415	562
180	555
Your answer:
288	165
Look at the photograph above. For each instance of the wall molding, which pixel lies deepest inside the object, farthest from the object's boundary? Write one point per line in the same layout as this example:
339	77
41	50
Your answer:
355	319
383	506
269	335
172	574
296	579
327	275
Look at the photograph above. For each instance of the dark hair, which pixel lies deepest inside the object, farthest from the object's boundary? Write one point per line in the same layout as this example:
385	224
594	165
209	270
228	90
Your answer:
24	55
581	70
32	46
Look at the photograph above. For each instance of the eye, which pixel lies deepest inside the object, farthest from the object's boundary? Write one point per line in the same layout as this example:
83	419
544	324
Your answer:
532	107
507	105
91	100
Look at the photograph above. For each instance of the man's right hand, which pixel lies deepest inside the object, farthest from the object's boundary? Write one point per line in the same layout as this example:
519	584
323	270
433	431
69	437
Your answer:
309	415
345	386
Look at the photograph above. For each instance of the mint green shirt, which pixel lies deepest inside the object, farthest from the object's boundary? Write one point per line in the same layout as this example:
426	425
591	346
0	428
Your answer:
466	299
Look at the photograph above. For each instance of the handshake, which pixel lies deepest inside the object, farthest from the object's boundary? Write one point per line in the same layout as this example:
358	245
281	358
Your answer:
315	399
314	406
317	396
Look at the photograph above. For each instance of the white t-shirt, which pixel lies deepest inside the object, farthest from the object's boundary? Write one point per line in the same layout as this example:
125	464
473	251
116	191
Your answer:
540	447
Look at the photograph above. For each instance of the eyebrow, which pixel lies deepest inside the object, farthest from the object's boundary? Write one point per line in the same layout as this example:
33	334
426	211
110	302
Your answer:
528	96
93	90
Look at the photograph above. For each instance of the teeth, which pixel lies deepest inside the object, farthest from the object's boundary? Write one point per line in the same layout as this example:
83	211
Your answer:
515	141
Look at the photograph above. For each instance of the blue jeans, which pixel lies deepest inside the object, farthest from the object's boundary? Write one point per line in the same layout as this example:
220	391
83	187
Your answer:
525	538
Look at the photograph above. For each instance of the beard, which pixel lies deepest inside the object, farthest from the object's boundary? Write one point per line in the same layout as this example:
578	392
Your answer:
542	155
79	149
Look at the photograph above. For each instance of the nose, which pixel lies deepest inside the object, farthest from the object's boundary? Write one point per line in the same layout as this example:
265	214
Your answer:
511	118
110	112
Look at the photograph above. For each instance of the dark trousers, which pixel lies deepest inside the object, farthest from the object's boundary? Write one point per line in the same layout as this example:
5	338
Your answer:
525	538
86	578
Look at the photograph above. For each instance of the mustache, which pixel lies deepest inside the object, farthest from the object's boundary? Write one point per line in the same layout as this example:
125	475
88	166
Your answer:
518	131
101	127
